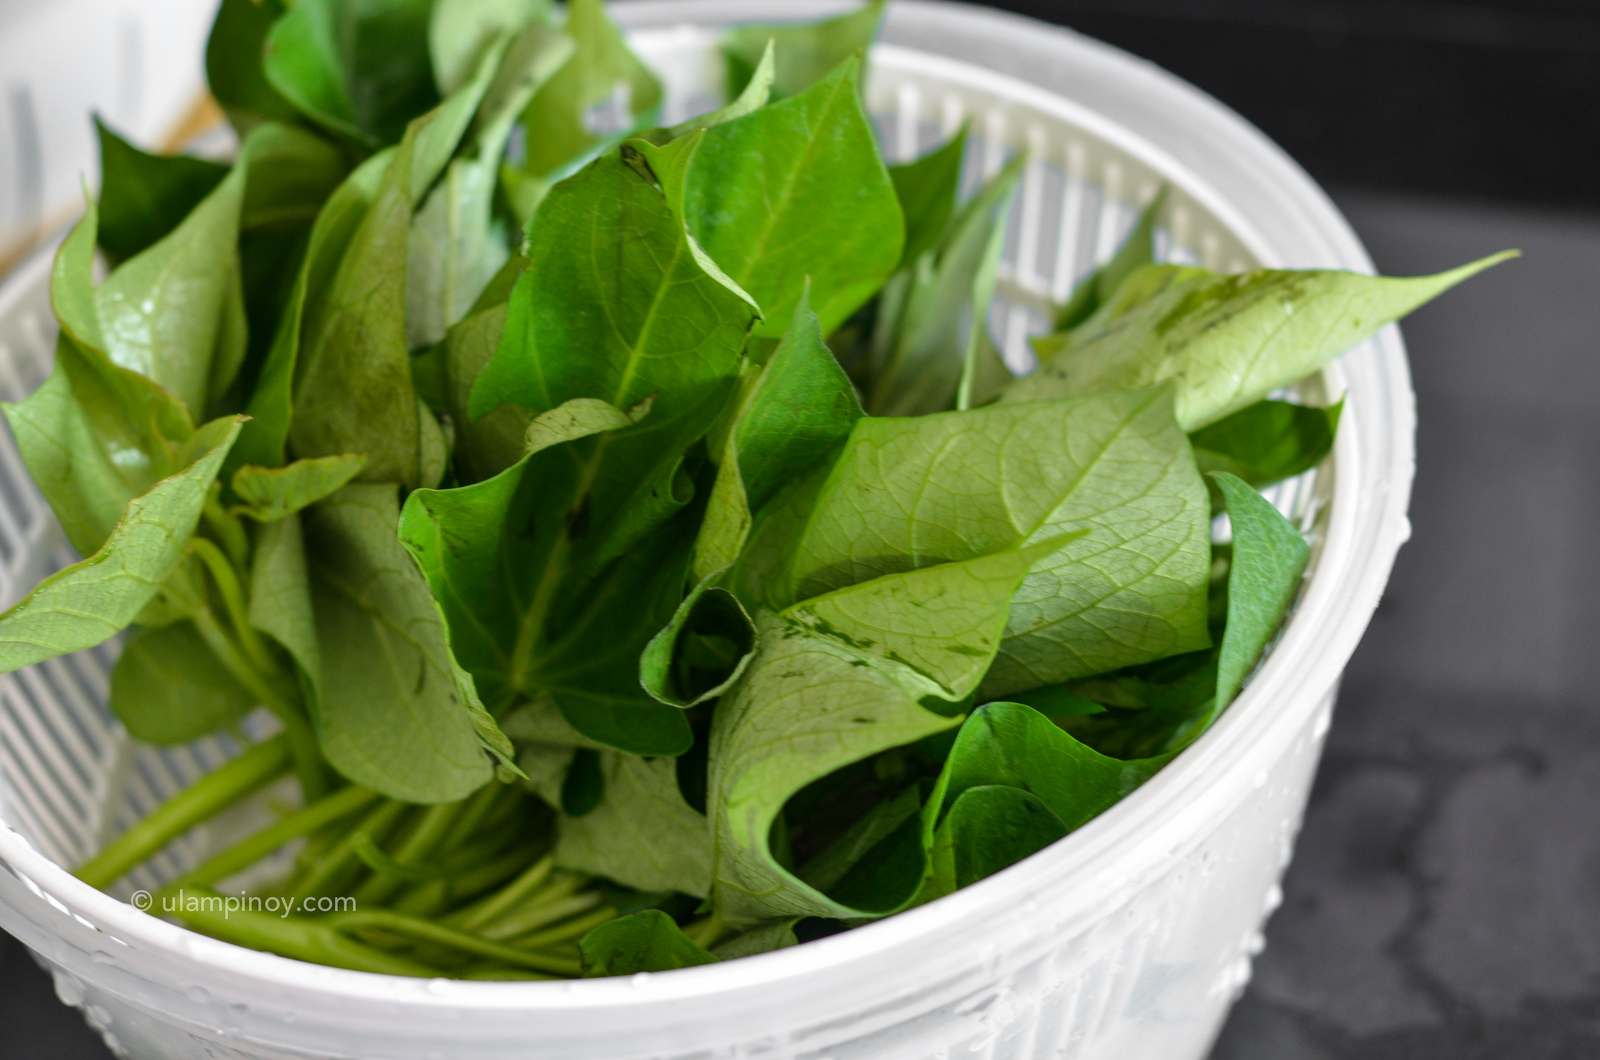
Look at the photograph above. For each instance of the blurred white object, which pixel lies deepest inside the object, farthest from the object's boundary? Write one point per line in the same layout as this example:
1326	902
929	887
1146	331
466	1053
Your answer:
138	64
1127	940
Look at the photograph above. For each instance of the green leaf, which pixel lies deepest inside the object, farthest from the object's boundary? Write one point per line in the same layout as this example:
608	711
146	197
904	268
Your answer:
584	785
455	249
169	688
1227	341
642	834
932	321
1175	700
1268	441
280	602
86	489
942	622
603	74
927	190
701	651
234	64
503	559
143	196
989	828
754	96
830	871
797	189
836	680
292	171
910	493
272	404
613	305
806	50
359	69
1097	288
646	941
396	716
164	312
92	600
1060	783
1269	556
794	413
270	494
488	445
460	31
777	935
353	391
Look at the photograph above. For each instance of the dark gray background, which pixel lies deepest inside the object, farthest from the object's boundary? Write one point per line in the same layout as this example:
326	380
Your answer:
1444	902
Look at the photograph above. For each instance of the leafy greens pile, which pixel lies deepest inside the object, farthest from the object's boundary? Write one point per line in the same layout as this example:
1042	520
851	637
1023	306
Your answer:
645	552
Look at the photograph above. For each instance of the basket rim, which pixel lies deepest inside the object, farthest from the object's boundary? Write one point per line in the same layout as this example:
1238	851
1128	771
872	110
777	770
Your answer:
1371	490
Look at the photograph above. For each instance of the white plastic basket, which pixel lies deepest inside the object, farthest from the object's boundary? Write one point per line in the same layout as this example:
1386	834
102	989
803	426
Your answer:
1127	939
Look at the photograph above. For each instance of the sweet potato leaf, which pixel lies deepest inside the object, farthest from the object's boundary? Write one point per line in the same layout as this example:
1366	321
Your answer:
94	599
602	92
396	716
501	557
1268	441
460	31
927	190
990	827
792	414
168	687
1097	288
358	69
234	64
353	391
908	493
835	680
1227	341
1269	555
792	190
806	51
932	313
280	603
455	249
145	196
701	651
642	834
646	941
270	494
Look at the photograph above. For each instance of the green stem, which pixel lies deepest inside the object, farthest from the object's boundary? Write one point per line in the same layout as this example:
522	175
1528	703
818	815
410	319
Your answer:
303	822
540	914
472	815
435	896
416	848
302	739
212	793
230	530
493	974
571	931
232	593
706	932
228	918
332	869
475	916
428	931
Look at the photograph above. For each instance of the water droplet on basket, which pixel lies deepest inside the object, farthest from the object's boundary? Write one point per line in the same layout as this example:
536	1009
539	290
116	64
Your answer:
98	1017
198	994
437	986
639	980
102	957
69	988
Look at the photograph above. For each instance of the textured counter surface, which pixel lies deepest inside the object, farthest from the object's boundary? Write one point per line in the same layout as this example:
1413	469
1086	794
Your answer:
1444	901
